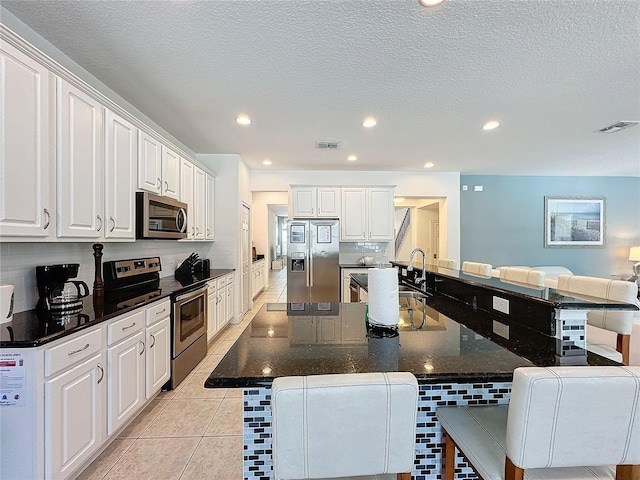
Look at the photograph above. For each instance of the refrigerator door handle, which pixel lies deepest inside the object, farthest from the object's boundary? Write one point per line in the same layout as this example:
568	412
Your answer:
310	262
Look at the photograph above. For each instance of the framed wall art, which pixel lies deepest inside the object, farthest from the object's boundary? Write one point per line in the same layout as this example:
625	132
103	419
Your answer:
574	221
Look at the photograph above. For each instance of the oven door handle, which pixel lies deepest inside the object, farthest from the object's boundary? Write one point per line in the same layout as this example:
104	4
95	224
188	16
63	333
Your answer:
190	295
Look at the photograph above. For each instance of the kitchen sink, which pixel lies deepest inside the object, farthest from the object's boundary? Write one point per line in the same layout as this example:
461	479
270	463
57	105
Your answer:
405	291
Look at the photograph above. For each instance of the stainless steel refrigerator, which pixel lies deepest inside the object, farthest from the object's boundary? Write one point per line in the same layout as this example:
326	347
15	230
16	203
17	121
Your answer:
313	268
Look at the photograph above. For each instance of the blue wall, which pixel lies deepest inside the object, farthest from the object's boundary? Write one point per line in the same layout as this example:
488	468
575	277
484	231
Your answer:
504	224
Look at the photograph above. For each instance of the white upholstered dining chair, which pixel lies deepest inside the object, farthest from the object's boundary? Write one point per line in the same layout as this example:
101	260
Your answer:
346	425
562	423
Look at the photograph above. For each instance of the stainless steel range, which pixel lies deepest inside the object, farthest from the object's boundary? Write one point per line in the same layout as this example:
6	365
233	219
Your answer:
133	282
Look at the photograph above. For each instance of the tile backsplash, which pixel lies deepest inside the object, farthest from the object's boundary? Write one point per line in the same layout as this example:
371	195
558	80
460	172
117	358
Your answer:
352	252
18	260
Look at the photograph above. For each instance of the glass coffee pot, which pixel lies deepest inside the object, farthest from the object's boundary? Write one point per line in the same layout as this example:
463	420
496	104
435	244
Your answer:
58	294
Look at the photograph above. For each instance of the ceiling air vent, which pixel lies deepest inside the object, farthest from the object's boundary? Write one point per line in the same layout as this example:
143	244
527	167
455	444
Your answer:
328	144
616	127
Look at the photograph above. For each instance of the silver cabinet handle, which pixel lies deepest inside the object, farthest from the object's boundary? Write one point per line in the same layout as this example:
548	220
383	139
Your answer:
79	350
166	186
159	184
130	326
154	341
101	373
100	220
208	232
161	311
143	347
197	231
46	224
113	224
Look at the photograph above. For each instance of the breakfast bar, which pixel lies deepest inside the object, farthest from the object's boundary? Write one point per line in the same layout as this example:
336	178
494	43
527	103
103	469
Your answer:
457	356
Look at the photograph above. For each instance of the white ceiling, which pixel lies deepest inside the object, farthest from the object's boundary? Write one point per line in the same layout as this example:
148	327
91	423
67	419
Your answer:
551	71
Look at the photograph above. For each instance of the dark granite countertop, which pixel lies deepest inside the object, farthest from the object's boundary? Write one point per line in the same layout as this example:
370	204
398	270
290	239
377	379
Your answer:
456	343
33	328
456	284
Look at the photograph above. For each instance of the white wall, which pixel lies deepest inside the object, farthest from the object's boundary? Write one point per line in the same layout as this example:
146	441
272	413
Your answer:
260	219
407	184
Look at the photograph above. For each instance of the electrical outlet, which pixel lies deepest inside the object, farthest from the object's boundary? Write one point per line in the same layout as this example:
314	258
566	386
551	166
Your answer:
478	188
404	272
501	305
501	329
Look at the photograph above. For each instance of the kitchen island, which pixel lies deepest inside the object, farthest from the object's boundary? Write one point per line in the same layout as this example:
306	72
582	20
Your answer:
456	356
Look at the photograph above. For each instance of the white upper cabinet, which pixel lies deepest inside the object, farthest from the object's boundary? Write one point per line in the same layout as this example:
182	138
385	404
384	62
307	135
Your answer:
210	199
186	194
367	214
316	202
381	214
200	206
120	177
79	163
27	203
149	163
170	173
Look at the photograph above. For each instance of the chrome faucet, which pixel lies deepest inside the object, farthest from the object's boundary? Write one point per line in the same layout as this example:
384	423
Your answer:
422	279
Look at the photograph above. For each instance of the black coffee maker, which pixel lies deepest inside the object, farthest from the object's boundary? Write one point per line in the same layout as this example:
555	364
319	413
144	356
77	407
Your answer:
58	294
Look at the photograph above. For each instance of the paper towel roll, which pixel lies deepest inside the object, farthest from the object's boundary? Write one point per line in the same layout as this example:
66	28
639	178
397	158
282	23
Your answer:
384	305
6	303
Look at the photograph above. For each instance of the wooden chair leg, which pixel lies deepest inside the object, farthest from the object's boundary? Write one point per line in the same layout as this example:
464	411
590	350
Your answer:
449	457
627	472
511	472
404	476
623	343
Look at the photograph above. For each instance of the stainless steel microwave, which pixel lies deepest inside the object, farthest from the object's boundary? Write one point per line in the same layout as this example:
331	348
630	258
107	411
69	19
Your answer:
160	217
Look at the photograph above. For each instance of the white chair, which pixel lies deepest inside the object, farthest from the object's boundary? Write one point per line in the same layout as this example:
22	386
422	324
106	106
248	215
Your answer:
477	269
552	272
523	276
336	426
619	322
446	263
573	423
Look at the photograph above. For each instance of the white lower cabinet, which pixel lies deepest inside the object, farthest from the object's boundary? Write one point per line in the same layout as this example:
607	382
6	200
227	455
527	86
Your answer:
125	380
74	416
221	314
80	391
230	298
158	356
212	310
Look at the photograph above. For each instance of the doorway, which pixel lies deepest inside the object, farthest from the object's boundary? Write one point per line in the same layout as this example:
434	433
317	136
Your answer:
421	216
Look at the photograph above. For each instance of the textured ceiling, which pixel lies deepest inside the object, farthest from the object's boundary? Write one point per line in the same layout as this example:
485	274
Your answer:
552	72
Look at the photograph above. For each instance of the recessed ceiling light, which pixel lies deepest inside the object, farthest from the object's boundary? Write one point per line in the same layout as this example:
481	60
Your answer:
266	161
429	165
398	199
352	158
430	3
490	125
243	119
369	122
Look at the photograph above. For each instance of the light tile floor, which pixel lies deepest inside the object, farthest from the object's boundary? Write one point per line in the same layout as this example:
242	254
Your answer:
191	432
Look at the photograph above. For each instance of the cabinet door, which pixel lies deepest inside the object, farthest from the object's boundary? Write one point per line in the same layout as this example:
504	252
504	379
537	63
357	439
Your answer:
74	416
304	201
186	194
79	163
212	322
158	356
170	173
120	172
380	214
328	200
26	193
210	208
229	301
125	380
149	163
199	196
353	224
221	318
